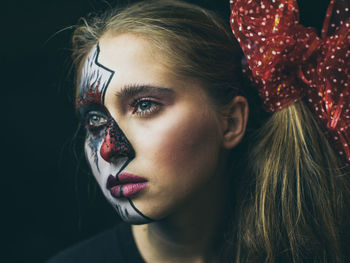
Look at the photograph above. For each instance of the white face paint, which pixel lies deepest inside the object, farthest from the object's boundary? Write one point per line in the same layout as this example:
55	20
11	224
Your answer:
154	140
124	206
106	147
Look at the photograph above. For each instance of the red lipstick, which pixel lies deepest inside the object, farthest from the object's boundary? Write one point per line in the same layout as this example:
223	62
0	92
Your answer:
125	185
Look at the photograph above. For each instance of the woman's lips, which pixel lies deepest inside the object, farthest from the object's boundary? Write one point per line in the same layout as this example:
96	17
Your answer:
127	190
125	185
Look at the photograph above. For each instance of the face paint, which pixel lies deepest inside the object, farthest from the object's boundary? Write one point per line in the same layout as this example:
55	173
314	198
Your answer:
107	149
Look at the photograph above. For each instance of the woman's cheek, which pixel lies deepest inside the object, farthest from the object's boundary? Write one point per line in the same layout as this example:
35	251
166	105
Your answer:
93	142
178	142
179	154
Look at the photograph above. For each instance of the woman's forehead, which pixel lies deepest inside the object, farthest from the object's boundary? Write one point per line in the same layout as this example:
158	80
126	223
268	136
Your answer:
125	55
123	50
135	62
127	60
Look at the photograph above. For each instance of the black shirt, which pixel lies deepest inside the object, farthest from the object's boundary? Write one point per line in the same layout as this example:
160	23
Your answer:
115	245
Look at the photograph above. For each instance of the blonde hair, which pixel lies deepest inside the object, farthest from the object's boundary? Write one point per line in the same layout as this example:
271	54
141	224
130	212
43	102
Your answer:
301	193
194	42
295	202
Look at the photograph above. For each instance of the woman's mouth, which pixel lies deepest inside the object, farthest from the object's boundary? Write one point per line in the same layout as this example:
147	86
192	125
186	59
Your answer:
125	185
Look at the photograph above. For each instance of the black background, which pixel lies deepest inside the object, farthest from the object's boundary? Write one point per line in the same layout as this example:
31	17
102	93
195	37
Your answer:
49	199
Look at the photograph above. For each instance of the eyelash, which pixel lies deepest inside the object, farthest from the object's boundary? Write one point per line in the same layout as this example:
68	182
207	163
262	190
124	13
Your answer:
89	121
154	107
135	105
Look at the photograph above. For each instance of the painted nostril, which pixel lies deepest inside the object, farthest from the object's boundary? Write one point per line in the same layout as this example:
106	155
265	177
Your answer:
115	144
107	150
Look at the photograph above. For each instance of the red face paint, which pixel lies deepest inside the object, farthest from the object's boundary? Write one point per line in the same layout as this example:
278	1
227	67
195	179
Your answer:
94	80
115	144
106	146
93	84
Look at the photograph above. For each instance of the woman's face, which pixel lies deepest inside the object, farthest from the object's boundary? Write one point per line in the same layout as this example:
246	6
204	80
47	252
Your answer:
153	140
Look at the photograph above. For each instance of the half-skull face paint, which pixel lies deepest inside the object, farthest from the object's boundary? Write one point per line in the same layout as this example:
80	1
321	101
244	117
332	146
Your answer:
107	149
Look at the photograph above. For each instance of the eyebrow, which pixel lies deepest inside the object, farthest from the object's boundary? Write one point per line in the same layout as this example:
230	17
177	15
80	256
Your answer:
132	90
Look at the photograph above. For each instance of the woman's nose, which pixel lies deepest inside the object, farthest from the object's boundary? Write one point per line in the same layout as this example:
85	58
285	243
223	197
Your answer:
115	144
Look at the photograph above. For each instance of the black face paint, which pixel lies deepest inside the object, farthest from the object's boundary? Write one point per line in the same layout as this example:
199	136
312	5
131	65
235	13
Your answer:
94	80
107	149
115	144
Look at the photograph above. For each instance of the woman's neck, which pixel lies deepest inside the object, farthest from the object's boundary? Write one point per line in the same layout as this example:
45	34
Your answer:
192	234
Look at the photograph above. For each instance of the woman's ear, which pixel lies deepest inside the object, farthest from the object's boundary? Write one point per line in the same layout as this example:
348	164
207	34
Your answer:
235	118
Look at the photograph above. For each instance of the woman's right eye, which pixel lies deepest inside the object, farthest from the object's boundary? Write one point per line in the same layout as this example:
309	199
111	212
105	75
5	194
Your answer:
95	121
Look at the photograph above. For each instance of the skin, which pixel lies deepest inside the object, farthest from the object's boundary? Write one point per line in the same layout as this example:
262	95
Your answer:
107	149
180	143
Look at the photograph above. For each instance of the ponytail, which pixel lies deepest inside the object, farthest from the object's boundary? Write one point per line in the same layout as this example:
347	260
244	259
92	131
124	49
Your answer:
300	192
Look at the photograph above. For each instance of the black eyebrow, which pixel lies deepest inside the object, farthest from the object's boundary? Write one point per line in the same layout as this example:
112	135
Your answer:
133	90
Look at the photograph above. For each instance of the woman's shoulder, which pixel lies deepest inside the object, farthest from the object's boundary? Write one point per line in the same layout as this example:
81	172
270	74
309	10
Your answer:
113	245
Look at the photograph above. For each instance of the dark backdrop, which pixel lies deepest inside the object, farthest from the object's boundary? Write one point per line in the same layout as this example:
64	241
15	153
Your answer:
49	199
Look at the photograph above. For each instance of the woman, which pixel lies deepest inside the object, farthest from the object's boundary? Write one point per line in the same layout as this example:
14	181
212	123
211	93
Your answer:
182	150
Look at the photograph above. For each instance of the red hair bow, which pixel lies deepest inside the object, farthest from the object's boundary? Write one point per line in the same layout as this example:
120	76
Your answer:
289	62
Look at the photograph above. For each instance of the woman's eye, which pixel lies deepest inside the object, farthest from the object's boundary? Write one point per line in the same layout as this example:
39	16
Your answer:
145	107
95	121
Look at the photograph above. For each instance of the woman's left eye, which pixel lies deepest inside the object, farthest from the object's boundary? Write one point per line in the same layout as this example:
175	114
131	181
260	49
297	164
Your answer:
145	107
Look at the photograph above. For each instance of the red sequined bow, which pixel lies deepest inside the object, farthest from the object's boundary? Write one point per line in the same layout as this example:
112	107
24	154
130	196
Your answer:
289	62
